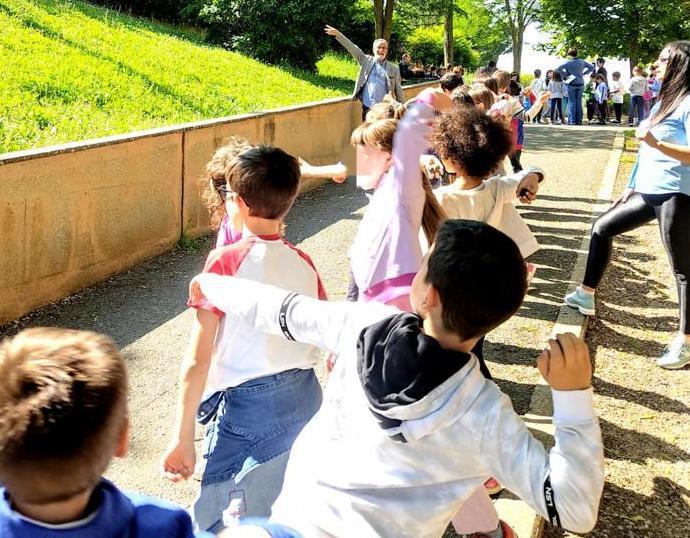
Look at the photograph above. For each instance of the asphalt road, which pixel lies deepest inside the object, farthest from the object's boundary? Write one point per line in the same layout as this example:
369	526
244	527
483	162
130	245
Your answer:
144	309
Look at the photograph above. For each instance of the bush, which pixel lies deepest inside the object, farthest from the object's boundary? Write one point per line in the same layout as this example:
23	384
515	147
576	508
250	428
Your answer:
274	31
426	45
165	10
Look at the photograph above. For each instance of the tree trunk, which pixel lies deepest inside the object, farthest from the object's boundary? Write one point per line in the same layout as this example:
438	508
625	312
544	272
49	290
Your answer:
388	20
448	34
517	49
378	19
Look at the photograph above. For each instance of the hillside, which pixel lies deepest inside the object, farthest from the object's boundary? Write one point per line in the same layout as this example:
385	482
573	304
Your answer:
74	71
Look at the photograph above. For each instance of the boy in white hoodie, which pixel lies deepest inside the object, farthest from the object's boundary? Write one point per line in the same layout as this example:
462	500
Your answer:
409	428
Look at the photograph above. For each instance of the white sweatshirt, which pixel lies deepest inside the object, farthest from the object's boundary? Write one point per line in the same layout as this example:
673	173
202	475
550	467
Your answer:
347	477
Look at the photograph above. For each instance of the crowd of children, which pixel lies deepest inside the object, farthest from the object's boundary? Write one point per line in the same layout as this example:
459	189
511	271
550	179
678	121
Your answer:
410	431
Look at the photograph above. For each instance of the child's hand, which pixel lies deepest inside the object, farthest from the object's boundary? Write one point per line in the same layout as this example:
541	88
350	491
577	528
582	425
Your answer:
178	461
528	188
196	296
341	173
436	98
565	364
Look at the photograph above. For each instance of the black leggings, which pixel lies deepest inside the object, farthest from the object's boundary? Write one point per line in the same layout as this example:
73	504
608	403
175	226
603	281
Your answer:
673	213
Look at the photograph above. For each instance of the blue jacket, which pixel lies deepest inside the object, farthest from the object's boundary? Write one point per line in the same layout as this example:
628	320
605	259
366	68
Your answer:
577	68
118	515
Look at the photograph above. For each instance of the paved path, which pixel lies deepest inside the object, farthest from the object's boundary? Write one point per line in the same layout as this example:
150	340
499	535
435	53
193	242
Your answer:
144	309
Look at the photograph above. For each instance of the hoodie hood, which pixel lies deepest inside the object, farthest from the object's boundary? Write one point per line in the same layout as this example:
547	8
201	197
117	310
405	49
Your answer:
411	383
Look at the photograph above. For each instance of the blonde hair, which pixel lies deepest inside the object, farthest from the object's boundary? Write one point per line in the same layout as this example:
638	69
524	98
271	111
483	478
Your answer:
63	409
378	133
216	170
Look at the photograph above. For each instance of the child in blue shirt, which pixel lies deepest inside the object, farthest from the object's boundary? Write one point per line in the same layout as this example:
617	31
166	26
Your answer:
63	403
601	96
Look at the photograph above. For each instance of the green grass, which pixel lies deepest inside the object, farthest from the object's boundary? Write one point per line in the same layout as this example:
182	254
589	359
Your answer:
74	71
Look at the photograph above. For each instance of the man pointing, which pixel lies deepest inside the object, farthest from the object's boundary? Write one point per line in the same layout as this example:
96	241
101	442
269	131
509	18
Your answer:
377	76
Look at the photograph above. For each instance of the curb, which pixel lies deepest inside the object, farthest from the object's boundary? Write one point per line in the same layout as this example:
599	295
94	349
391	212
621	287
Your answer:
526	522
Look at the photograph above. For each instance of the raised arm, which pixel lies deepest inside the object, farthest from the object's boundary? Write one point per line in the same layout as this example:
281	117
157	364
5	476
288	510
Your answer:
277	311
412	138
564	485
353	49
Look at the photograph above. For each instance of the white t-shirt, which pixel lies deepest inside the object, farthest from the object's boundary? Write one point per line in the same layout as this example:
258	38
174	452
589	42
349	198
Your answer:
617	91
241	352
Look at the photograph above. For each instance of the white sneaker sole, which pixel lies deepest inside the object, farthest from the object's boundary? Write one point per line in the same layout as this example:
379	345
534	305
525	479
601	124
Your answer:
584	311
673	366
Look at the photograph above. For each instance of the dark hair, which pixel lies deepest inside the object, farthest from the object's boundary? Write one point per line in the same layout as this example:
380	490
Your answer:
450	81
537	73
556	76
502	79
600	60
479	274
572	51
461	96
616	74
514	88
491	64
472	139
488	81
676	80
267	179
63	403
600	77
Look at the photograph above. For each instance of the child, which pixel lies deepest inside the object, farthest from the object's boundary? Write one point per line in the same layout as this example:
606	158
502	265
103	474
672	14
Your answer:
588	95
617	93
556	89
475	194
518	127
537	87
637	89
63	409
386	253
225	216
601	96
258	391
410	426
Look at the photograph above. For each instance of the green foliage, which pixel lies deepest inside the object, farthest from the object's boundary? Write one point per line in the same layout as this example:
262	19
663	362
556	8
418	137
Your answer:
80	71
167	10
635	29
526	79
275	31
189	244
480	28
426	44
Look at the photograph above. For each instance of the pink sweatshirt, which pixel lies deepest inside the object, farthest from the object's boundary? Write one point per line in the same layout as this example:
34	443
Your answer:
386	253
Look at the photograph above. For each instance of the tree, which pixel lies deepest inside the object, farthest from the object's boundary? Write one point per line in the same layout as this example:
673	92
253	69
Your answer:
633	29
515	16
383	13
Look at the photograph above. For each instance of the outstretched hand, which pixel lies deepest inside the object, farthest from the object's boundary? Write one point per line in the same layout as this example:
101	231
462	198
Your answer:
331	31
565	363
196	296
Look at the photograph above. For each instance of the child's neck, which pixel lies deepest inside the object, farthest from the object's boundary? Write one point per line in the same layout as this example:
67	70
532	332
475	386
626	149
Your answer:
434	329
467	182
261	226
55	513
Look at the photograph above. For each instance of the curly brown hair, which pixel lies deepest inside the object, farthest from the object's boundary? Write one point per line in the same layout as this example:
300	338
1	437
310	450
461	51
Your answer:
215	176
473	141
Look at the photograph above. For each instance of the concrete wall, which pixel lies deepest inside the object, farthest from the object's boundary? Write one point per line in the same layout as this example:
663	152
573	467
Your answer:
74	214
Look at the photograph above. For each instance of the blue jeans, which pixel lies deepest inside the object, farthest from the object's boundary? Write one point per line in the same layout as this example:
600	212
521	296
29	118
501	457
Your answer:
574	104
636	101
247	443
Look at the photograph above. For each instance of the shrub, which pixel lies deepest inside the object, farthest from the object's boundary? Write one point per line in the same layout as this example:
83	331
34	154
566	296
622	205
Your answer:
165	10
426	45
274	31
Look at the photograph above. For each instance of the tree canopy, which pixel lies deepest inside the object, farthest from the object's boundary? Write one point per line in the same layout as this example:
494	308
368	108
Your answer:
634	29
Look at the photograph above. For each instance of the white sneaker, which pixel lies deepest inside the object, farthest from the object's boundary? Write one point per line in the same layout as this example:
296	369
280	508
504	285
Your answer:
677	354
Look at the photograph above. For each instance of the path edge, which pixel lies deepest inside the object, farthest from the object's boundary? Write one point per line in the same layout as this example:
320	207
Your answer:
526	522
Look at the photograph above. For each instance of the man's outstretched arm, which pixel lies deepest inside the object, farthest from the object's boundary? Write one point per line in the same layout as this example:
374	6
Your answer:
353	49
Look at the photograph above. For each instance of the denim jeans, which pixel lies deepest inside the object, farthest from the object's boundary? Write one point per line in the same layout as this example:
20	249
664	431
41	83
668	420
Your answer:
247	443
636	101
575	104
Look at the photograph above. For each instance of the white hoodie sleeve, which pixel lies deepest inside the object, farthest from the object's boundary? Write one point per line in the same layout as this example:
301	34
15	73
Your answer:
570	476
295	316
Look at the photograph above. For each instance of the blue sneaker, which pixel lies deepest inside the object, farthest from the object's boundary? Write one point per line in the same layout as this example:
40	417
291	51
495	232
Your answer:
676	356
581	300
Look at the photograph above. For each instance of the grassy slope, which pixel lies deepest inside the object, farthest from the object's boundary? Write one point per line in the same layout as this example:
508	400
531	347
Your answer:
75	71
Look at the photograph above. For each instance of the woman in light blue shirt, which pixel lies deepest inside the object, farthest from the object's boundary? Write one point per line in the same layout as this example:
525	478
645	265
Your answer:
659	189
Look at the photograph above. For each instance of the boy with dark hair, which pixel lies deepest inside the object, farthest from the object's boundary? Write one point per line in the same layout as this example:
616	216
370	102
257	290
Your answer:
256	391
410	426
63	417
601	96
449	82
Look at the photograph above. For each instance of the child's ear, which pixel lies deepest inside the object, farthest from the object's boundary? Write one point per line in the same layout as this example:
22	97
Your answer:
123	440
431	297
